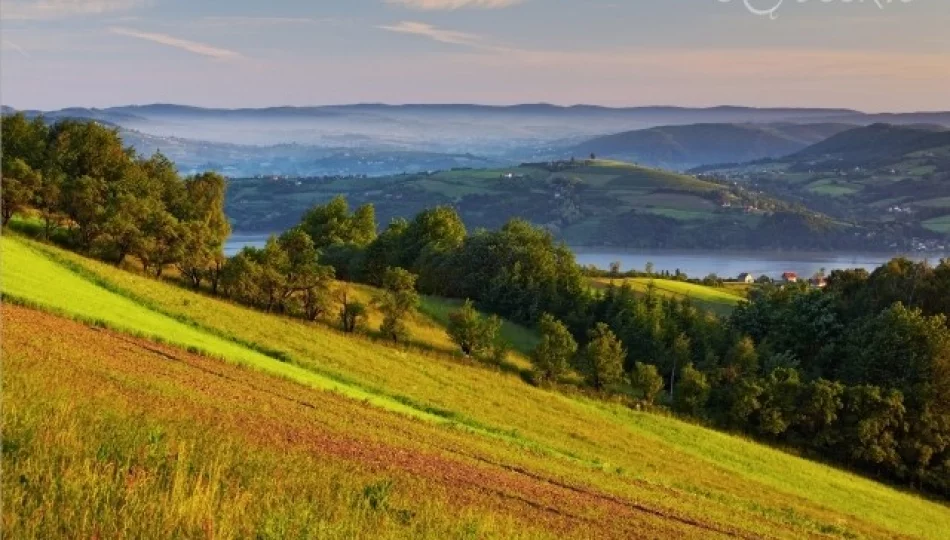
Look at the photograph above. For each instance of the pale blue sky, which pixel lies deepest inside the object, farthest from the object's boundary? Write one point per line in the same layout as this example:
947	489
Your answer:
249	53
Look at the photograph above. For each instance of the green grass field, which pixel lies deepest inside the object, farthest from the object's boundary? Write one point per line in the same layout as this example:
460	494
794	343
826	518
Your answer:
718	300
111	426
942	202
940	224
30	277
833	188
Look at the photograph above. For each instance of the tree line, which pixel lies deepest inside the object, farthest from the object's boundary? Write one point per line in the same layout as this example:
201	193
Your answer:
95	195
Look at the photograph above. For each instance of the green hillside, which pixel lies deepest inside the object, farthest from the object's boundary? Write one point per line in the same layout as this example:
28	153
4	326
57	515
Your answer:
688	146
894	180
583	202
354	438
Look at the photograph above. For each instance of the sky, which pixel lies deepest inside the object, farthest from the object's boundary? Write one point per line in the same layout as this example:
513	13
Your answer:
872	55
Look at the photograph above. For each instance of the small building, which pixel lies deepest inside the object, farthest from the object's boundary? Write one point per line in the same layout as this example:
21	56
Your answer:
819	282
790	277
745	277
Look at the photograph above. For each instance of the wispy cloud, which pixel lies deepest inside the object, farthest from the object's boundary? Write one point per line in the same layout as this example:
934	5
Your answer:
438	34
33	10
442	5
245	21
195	47
7	44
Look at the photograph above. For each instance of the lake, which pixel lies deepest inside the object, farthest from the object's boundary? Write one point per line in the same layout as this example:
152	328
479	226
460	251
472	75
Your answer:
698	263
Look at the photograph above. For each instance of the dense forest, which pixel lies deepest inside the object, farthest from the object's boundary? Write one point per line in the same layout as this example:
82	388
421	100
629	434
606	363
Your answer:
858	373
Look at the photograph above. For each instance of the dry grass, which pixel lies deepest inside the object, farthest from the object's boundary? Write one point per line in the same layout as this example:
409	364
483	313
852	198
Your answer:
687	477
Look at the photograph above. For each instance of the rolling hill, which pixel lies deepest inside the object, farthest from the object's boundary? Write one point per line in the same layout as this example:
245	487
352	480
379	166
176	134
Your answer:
898	176
585	203
689	146
163	412
877	143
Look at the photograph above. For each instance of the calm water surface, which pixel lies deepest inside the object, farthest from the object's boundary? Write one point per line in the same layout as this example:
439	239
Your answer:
698	263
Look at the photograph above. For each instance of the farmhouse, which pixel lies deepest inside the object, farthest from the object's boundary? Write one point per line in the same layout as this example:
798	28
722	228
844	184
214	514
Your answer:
745	277
790	277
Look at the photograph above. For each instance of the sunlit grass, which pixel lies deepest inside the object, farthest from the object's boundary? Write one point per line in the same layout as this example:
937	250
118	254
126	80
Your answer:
77	465
30	277
718	300
641	457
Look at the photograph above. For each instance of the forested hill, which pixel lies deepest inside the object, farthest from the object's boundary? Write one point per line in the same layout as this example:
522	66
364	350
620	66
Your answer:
688	146
892	176
582	202
873	144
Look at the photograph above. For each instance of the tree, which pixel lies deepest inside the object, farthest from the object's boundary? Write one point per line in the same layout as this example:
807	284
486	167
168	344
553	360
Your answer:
779	401
818	413
316	293
363	225
240	277
84	201
904	349
552	357
122	233
161	244
602	360
871	421
398	302
305	280
742	359
20	183
198	254
692	391
646	379
743	400
473	333
332	224
24	140
434	231
47	198
352	312
384	252
679	354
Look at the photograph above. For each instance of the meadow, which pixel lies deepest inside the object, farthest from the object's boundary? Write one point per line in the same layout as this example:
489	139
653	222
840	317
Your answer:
719	300
125	418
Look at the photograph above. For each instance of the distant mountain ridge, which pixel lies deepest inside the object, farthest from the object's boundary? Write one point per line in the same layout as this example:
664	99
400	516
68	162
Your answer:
876	142
501	134
689	146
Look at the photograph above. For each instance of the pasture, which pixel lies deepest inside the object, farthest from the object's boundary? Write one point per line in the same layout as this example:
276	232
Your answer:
214	443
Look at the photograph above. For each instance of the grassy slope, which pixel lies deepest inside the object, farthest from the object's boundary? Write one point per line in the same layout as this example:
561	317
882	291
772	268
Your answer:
662	465
718	300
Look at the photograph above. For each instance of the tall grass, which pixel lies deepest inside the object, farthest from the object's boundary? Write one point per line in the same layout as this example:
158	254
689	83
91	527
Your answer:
36	280
80	468
661	462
